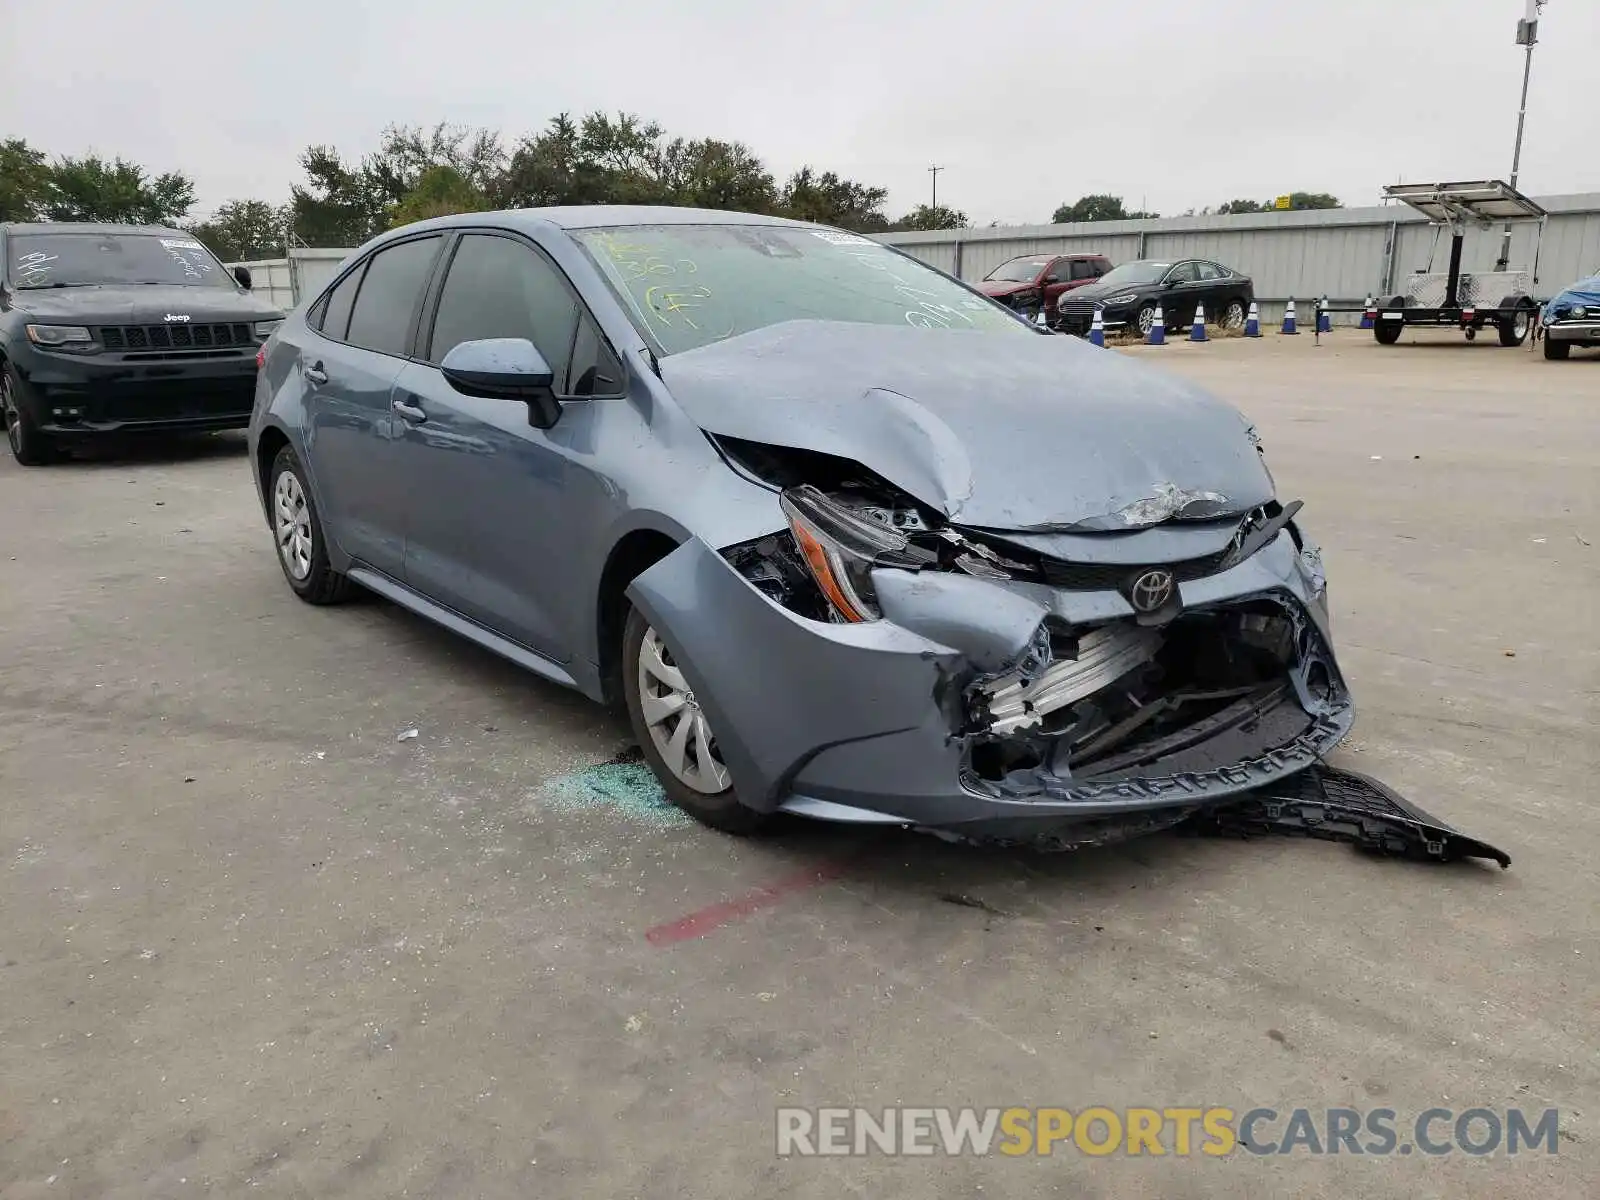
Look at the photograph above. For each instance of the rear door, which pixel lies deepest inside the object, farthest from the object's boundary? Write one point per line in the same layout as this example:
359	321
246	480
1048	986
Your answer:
362	332
1214	288
495	502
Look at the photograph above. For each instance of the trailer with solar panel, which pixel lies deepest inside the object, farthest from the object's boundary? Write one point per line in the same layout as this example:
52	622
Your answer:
1458	298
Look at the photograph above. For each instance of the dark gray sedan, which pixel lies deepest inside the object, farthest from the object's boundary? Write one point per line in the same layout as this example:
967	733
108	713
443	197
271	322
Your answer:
845	537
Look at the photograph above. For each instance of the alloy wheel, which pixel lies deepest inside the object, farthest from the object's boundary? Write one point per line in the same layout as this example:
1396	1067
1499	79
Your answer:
292	521
679	730
9	415
1233	316
1147	318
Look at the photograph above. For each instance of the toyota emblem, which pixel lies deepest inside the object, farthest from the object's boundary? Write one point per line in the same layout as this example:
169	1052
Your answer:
1151	591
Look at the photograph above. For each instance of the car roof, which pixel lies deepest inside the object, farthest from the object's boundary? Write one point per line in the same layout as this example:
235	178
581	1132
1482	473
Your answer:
593	216
88	227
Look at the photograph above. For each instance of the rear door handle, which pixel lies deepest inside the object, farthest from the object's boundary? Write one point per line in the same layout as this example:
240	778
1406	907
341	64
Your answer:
409	411
316	374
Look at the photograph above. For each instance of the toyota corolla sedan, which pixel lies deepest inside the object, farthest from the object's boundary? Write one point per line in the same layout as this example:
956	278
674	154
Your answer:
844	538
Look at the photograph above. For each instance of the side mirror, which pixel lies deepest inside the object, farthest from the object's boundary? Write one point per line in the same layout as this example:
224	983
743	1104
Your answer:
242	274
505	369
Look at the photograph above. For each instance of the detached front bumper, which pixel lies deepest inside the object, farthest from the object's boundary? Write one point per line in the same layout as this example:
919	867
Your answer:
81	396
874	721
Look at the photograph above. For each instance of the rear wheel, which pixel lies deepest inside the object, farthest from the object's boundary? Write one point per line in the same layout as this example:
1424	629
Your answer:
1387	332
297	532
29	446
675	735
1555	349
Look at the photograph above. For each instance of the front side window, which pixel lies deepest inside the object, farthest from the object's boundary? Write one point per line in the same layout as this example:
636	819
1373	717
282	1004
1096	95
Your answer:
500	288
688	285
387	301
52	260
1183	273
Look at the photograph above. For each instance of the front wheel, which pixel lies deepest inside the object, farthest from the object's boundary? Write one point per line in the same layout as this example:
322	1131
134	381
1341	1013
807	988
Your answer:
1146	319
1554	349
675	735
29	446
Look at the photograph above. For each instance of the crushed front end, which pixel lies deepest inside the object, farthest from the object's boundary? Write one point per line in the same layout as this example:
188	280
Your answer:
872	663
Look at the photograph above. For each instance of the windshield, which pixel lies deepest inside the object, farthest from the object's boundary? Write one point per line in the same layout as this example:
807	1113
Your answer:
1018	270
689	285
1135	272
43	260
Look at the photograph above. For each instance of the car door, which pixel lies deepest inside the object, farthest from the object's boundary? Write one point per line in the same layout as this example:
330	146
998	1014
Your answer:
493	499
1213	288
1054	281
1182	293
349	365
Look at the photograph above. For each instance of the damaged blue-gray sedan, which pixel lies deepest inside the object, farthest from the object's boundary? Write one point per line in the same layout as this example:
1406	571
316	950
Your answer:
846	538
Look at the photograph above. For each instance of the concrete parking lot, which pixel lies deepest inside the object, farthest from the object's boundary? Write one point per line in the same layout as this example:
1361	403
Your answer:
251	942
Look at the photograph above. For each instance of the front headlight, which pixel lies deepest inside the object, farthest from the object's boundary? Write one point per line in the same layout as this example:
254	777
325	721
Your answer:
1578	312
265	329
840	548
1128	298
65	336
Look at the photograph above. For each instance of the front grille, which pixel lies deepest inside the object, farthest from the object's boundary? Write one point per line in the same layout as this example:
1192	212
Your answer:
175	337
1104	577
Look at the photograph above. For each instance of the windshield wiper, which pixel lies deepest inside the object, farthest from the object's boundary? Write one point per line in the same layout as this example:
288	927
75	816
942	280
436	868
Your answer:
41	287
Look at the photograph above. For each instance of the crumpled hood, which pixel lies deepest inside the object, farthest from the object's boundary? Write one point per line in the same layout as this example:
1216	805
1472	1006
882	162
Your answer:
1002	287
140	304
1002	431
1585	292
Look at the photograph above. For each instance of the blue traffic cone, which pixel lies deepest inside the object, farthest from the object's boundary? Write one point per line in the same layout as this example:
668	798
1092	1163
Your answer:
1369	312
1288	320
1197	331
1158	329
1324	320
1252	323
1097	330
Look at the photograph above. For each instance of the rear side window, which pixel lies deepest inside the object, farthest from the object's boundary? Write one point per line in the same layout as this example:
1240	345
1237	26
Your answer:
381	319
1085	269
501	288
1209	270
334	319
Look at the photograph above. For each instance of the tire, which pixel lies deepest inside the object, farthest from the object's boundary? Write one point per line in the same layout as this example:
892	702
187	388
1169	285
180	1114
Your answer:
1233	315
1387	333
1514	331
1145	318
705	791
29	446
297	534
1554	349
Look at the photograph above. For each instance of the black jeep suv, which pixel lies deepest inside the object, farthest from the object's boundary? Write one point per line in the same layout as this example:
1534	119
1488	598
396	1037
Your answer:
121	329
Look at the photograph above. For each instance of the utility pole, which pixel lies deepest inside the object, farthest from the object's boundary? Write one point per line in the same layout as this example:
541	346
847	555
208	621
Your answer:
934	171
1528	37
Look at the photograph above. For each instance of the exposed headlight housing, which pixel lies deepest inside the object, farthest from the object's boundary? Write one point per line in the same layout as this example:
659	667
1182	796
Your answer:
61	337
840	548
265	329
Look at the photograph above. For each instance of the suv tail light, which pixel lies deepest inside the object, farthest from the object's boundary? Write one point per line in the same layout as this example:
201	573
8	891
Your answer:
261	358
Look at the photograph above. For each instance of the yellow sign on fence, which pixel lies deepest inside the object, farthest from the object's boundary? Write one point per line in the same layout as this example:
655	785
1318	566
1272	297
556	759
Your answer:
1281	202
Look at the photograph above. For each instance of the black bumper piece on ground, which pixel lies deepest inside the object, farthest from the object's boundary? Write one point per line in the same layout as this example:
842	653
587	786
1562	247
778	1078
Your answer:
1343	806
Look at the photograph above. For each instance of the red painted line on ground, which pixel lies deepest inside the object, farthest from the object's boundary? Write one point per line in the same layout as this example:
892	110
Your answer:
725	912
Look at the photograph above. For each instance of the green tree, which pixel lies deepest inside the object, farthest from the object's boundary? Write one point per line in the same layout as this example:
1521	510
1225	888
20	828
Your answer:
925	216
1299	200
245	229
24	178
1098	207
336	208
830	200
442	190
92	189
1244	206
707	173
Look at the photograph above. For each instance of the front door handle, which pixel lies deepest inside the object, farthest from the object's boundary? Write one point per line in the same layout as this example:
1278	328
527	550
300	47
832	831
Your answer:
316	374
409	411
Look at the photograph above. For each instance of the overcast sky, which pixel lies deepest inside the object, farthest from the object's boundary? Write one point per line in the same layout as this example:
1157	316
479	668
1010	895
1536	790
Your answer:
1170	104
